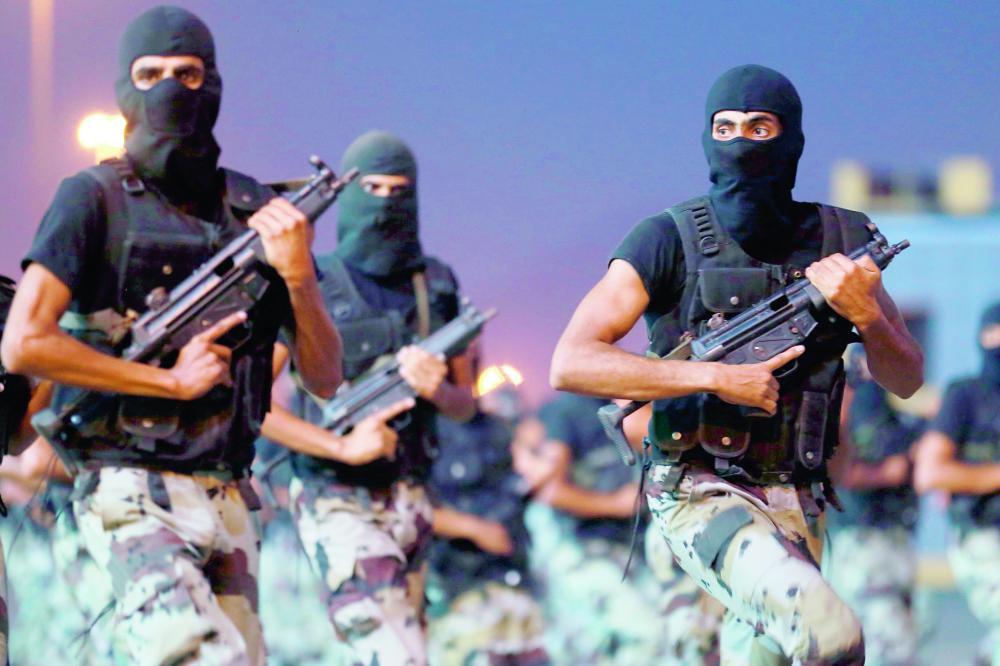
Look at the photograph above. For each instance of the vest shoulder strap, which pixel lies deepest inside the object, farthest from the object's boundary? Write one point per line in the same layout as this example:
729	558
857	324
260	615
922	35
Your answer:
245	194
337	288
843	230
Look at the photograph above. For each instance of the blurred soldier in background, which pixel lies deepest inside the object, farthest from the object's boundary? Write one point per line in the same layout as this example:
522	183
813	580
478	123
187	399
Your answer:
960	455
580	534
872	562
482	609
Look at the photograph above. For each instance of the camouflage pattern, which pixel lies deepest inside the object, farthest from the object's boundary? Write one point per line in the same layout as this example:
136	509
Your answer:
85	619
874	570
182	553
491	624
591	615
753	549
291	603
975	561
691	617
367	545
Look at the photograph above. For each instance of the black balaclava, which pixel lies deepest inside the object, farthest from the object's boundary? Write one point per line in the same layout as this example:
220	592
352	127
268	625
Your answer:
752	181
991	357
169	127
378	235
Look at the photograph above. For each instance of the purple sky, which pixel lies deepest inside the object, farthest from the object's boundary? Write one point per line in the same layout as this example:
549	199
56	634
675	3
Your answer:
543	130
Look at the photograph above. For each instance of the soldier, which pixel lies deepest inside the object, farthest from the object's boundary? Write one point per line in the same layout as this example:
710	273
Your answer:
872	561
959	455
580	543
739	499
365	523
480	590
163	500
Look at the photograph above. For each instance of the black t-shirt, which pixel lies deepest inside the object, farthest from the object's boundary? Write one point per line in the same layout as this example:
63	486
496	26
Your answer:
597	466
655	250
970	417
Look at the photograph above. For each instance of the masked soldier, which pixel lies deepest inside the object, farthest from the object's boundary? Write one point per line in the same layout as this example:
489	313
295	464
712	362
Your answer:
737	497
871	560
163	498
960	455
481	593
365	521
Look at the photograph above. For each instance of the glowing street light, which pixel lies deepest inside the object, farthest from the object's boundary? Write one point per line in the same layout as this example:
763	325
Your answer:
495	376
104	133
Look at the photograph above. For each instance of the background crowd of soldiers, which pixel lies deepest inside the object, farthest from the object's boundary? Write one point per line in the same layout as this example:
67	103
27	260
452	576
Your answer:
442	529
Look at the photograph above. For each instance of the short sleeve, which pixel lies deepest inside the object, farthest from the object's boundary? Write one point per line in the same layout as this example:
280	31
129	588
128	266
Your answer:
955	414
557	422
654	249
70	239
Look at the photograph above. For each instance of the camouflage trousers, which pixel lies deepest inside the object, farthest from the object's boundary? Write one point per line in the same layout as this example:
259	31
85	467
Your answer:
4	619
368	548
490	624
182	553
753	549
86	625
874	570
691	617
975	561
591	615
292	606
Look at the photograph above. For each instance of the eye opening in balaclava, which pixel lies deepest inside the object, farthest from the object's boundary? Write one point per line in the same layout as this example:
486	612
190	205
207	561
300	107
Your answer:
752	181
168	131
379	235
991	355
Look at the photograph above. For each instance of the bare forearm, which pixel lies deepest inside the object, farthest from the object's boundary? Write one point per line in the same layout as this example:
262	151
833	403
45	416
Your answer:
958	477
452	524
583	503
894	358
603	370
318	351
58	357
889	473
298	435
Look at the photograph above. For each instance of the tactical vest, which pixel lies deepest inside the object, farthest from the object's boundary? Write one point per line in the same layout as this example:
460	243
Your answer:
722	281
473	474
369	335
15	390
151	246
981	446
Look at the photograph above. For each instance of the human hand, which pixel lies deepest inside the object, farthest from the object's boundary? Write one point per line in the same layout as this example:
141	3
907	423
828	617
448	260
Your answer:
753	384
284	231
423	371
493	538
201	363
372	439
850	287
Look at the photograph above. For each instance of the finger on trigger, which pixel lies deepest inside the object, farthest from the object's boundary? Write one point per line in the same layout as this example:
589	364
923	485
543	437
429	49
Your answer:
222	326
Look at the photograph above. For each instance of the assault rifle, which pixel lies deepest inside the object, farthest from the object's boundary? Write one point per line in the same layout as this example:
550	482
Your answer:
234	280
383	386
779	322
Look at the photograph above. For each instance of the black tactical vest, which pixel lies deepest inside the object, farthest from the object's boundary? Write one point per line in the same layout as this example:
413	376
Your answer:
981	446
15	390
152	245
722	281
369	335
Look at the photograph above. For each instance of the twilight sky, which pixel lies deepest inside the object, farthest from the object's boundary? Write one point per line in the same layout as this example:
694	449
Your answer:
543	130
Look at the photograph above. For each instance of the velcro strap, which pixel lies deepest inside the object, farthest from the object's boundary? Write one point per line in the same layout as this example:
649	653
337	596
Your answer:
713	542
